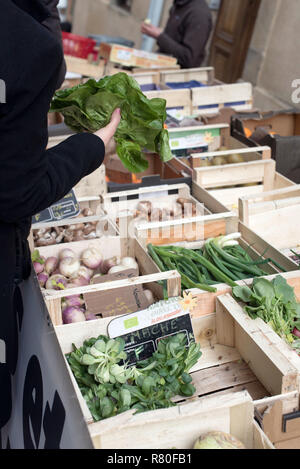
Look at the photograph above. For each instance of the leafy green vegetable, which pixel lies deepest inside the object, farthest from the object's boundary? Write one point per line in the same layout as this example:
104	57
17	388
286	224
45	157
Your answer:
88	107
274	302
110	387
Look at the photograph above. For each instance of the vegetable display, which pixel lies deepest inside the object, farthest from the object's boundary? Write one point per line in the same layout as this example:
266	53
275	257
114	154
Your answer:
221	260
110	387
70	233
275	303
89	106
69	270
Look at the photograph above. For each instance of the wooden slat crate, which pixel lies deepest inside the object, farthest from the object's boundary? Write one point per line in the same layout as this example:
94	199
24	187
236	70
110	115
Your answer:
250	241
84	67
202	74
275	216
233	359
176	99
109	246
229	183
210	99
120	205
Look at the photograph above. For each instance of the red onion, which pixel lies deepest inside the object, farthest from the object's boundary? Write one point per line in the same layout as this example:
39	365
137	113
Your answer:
56	282
69	267
91	258
107	264
51	265
42	278
296	332
72	314
39	268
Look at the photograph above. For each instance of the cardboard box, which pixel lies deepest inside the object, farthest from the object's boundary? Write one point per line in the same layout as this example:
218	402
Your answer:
134	57
278	130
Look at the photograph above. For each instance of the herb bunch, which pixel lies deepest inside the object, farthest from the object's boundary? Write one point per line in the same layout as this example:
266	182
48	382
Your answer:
111	387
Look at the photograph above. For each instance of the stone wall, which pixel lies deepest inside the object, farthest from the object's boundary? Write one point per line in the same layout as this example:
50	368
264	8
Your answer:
273	58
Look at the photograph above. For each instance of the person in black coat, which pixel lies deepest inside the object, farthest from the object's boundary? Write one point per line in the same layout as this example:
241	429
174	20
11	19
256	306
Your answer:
31	178
186	34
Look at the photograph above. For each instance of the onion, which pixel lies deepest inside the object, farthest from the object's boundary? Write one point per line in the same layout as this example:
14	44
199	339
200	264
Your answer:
66	253
74	300
90	316
129	262
107	264
39	268
296	332
51	265
149	296
56	282
42	278
91	258
73	314
69	267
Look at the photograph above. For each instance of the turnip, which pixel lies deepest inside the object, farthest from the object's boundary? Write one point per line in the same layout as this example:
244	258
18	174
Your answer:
73	314
69	267
117	268
39	268
85	272
66	253
42	278
91	258
56	282
74	300
129	262
80	282
90	316
51	265
108	264
149	296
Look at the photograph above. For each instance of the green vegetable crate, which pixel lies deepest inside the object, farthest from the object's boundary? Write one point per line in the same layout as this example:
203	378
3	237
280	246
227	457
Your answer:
222	370
265	213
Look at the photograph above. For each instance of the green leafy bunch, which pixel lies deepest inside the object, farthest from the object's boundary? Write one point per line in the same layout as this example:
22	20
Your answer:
111	387
274	302
88	107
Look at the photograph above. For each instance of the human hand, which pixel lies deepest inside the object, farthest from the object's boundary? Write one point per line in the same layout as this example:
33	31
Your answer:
151	30
107	133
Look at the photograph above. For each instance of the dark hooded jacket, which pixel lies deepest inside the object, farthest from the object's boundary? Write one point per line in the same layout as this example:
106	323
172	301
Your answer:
187	32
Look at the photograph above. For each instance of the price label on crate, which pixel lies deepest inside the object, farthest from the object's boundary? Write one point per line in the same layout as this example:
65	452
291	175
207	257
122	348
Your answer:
143	330
67	207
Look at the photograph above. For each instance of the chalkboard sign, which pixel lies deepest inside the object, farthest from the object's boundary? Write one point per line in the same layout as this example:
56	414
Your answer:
143	330
67	207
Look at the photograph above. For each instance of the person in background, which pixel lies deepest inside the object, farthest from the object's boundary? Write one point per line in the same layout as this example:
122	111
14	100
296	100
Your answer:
31	177
65	8
186	34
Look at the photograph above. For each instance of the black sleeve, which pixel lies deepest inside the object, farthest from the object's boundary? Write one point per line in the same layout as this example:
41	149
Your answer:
190	52
32	178
52	23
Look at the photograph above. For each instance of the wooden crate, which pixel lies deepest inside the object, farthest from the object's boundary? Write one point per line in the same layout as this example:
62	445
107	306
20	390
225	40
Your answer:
121	206
84	67
176	99
202	74
229	183
233	359
254	244
275	216
210	99
109	246
179	427
92	203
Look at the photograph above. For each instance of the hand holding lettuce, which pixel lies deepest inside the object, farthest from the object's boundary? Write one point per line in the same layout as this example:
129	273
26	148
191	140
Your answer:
88	107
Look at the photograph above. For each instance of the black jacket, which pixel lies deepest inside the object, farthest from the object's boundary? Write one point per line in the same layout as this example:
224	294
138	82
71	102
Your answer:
31	178
187	32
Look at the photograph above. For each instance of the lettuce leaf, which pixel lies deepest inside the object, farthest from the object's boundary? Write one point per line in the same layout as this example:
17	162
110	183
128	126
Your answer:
88	107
